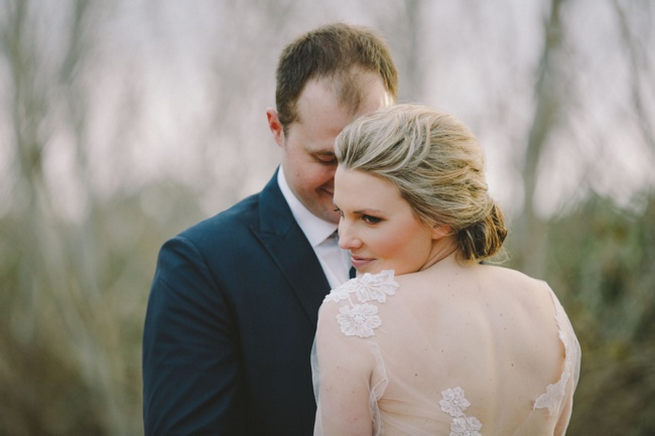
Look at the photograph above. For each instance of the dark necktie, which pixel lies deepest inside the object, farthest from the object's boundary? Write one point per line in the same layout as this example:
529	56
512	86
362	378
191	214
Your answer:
352	273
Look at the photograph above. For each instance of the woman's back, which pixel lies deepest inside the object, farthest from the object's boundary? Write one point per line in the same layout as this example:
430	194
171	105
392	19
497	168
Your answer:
454	349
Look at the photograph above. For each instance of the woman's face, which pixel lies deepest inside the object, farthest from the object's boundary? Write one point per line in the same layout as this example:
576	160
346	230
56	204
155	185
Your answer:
378	226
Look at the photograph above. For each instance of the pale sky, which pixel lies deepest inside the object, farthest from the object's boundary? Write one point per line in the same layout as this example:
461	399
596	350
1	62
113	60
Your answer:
178	91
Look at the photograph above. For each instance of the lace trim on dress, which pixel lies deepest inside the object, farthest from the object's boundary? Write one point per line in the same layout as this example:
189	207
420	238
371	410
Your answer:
555	393
454	403
360	318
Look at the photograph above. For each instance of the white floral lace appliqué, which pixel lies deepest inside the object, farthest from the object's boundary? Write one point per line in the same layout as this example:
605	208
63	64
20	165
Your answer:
454	404
358	320
358	317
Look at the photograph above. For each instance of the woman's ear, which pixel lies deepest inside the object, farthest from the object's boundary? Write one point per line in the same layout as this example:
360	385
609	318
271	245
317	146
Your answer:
441	230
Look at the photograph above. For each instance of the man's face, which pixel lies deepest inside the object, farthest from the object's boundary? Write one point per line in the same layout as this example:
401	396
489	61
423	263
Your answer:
308	159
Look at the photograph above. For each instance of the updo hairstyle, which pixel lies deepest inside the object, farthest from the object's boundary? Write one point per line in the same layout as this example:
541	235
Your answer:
437	165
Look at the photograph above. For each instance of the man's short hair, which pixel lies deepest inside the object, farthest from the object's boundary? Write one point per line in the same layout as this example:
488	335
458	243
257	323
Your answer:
338	51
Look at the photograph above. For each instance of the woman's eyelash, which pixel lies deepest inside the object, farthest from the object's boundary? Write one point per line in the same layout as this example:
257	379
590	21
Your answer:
371	219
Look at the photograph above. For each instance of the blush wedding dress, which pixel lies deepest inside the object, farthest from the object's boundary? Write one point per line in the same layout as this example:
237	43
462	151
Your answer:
457	349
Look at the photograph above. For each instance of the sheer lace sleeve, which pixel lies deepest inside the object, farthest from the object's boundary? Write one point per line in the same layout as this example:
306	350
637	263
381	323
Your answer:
346	365
558	397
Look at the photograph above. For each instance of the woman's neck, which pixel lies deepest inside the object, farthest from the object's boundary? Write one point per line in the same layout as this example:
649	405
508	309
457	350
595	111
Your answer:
441	249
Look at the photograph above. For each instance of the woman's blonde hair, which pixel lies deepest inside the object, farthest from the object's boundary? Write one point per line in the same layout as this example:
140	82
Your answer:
438	167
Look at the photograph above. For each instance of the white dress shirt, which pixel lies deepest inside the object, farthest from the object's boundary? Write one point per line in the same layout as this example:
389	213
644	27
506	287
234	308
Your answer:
321	235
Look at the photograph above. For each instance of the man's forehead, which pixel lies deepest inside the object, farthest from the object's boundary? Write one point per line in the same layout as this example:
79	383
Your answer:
317	95
348	91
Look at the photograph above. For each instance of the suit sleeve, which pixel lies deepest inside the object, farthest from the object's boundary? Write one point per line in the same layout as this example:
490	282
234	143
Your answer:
191	376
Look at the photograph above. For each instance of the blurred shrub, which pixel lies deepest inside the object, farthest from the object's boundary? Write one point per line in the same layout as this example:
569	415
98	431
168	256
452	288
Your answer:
70	339
72	304
600	263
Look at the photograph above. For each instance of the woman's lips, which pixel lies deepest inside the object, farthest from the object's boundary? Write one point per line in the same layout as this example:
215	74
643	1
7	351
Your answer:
360	262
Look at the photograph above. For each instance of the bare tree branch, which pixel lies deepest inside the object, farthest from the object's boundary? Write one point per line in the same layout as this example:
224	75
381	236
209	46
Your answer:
637	56
531	230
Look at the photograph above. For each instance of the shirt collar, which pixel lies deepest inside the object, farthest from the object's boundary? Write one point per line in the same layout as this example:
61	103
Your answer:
315	229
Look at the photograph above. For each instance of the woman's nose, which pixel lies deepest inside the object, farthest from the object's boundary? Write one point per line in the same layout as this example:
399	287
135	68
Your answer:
347	236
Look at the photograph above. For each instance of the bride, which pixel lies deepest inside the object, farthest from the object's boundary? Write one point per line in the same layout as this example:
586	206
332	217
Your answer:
427	340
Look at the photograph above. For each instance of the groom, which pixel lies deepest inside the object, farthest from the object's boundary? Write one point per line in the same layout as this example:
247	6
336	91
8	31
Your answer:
233	306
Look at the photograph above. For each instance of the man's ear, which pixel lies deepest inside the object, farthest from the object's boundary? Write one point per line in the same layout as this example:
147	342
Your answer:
275	126
441	230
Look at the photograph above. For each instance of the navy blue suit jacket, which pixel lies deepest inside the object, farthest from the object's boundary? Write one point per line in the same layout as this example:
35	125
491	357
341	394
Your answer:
230	322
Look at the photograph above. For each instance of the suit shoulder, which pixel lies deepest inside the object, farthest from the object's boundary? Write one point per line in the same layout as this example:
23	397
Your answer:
227	229
236	218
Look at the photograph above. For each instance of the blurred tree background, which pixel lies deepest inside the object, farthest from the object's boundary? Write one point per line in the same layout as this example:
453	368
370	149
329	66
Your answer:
124	122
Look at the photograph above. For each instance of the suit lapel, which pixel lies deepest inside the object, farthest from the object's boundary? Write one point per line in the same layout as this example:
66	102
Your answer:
288	247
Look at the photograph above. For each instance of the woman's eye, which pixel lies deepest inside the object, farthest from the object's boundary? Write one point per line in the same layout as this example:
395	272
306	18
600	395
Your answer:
371	219
339	211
